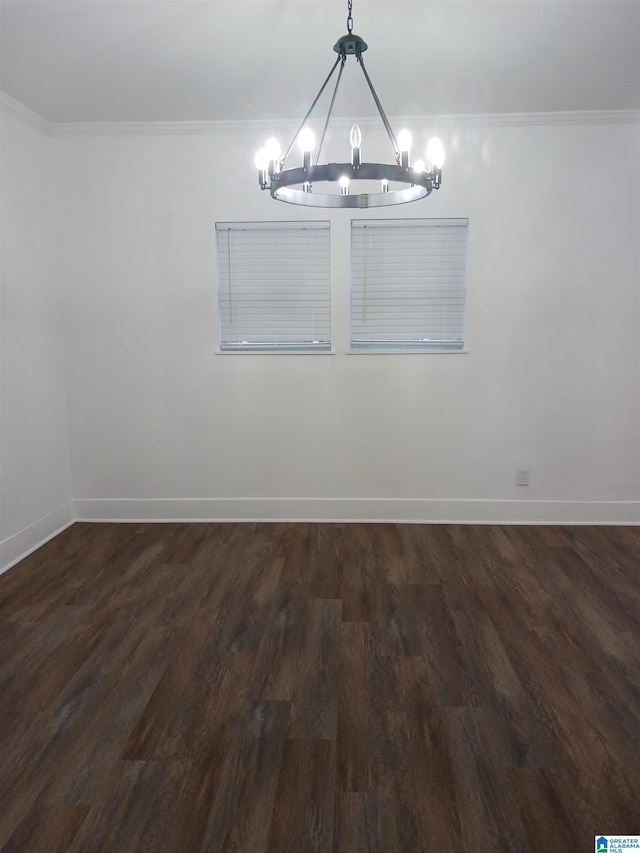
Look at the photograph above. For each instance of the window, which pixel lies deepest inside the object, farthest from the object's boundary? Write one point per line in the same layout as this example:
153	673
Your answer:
408	284
274	286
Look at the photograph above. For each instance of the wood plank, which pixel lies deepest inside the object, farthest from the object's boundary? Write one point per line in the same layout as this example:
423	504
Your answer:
361	765
367	823
65	752
314	708
539	791
488	813
117	822
242	810
202	687
303	812
49	829
422	778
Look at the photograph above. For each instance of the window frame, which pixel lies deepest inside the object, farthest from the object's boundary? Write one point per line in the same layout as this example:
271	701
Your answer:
278	345
410	345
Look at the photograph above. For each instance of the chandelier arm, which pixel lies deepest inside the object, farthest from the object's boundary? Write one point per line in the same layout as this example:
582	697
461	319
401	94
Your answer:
383	116
311	108
333	98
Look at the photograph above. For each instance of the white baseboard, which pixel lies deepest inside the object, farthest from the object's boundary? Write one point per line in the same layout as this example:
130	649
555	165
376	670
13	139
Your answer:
359	509
15	548
18	546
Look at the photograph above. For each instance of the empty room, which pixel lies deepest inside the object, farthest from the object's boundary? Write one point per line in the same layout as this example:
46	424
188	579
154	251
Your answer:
320	426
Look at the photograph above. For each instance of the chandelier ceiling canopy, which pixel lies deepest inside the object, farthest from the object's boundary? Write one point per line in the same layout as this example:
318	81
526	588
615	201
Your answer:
397	182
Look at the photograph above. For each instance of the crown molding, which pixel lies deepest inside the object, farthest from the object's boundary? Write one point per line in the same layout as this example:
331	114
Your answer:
284	126
17	110
259	127
562	118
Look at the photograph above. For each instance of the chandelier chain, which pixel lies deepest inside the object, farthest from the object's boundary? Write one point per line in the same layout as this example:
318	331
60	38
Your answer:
349	17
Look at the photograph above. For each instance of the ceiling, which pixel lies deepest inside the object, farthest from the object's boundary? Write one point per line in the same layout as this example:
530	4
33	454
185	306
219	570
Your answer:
196	60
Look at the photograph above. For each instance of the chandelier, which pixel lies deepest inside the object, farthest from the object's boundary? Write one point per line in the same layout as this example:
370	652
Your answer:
296	185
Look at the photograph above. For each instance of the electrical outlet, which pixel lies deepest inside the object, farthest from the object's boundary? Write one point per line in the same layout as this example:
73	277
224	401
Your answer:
522	476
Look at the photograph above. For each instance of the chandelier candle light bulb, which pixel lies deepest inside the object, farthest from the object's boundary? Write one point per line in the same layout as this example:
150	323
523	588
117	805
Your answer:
272	148
293	185
306	139
262	164
306	143
404	144
435	153
355	138
418	167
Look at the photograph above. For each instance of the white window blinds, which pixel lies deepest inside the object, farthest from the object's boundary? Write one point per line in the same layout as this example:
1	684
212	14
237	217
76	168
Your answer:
408	284
274	286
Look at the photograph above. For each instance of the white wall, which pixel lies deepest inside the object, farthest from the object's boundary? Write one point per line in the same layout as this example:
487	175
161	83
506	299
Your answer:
161	426
35	487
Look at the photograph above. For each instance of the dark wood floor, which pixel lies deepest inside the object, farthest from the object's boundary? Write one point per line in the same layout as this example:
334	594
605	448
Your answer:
302	687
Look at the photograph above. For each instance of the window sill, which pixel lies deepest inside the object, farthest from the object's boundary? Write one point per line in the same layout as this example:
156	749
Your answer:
273	352
407	352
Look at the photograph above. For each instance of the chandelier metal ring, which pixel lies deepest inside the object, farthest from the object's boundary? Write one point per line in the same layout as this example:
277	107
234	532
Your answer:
421	185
